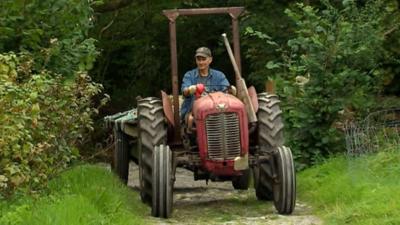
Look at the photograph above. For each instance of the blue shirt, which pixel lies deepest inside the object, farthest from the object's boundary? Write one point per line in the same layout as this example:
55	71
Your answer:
216	81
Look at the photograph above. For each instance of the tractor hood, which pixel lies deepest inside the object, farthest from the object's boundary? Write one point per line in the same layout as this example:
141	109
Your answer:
222	132
217	102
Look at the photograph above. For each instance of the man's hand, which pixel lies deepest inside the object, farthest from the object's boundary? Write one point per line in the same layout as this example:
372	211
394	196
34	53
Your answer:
232	90
189	90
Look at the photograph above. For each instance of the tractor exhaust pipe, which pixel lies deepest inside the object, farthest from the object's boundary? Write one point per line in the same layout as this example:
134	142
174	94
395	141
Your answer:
242	91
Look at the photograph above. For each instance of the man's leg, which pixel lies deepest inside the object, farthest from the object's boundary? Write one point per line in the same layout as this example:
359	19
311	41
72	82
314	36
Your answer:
189	122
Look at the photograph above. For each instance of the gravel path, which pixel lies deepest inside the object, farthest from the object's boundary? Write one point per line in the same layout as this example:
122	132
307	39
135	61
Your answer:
195	202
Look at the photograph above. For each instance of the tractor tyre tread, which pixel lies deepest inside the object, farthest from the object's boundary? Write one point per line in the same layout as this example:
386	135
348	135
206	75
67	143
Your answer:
270	136
285	188
152	132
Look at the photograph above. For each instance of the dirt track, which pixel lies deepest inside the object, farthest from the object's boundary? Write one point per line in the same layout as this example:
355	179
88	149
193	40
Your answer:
195	202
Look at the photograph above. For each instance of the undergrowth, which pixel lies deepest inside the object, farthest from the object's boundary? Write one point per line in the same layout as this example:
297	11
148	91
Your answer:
82	195
364	190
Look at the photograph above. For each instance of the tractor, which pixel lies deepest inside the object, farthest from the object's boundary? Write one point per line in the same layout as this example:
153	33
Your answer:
229	138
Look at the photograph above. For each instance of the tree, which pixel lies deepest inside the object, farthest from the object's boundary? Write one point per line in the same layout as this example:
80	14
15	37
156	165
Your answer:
331	66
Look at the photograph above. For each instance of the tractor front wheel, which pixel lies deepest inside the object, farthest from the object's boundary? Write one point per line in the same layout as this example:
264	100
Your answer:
284	186
162	182
263	178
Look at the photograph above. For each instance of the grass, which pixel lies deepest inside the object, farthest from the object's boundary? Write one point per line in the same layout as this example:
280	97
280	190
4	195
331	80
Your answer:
93	195
364	191
83	195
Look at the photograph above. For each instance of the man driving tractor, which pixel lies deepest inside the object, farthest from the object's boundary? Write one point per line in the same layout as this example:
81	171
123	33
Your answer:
213	80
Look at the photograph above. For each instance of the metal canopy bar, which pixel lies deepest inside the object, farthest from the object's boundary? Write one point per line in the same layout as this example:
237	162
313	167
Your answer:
234	12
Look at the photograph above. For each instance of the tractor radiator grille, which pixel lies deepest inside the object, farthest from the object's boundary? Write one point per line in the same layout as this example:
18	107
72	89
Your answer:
223	136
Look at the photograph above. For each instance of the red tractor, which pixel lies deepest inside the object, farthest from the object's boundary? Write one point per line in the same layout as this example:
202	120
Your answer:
229	137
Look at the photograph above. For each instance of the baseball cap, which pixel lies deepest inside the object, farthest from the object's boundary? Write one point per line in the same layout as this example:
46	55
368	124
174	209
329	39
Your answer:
203	51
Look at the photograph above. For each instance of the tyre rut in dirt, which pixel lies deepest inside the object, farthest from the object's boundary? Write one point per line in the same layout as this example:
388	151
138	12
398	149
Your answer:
285	186
270	136
121	155
162	196
242	182
152	132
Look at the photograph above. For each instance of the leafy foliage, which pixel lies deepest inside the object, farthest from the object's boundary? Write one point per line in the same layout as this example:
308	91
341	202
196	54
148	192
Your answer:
273	28
45	94
329	68
42	119
53	32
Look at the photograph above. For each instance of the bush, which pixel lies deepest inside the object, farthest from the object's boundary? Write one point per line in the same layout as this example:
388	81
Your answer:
43	117
45	94
330	69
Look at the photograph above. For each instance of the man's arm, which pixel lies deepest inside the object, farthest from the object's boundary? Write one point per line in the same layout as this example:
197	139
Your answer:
188	87
223	82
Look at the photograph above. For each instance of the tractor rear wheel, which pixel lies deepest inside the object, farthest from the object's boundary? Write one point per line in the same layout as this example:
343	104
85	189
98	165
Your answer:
263	179
242	182
162	182
120	164
284	186
270	124
152	133
270	136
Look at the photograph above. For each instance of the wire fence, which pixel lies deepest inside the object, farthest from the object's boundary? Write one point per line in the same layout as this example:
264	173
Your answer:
379	130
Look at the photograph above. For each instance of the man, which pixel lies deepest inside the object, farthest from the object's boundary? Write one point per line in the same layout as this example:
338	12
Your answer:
213	80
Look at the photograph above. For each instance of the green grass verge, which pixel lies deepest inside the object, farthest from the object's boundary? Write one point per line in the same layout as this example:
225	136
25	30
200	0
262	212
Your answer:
82	195
364	191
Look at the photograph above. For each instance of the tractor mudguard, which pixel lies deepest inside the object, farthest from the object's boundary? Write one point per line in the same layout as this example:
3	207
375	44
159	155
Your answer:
167	107
253	97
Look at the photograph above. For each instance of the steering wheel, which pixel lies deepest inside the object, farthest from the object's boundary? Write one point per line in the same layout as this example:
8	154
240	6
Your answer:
202	90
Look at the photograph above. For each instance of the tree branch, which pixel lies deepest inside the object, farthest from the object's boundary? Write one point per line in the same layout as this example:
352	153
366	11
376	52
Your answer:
391	30
111	5
109	24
